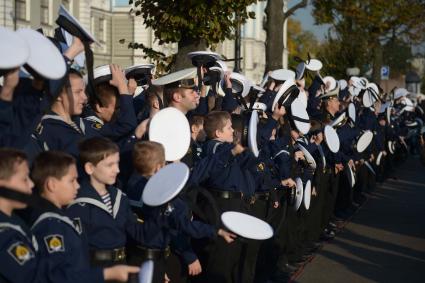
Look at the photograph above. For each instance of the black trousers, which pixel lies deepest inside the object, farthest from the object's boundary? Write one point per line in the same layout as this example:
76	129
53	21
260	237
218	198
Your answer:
220	260
345	192
314	214
251	248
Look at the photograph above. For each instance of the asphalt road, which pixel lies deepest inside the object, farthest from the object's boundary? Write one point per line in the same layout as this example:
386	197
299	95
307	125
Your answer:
385	240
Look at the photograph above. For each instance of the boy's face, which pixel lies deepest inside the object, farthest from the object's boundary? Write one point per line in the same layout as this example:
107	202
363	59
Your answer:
67	186
106	113
75	105
106	171
20	181
226	134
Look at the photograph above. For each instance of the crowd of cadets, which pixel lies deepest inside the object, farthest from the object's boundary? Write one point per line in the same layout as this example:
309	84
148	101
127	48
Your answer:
89	157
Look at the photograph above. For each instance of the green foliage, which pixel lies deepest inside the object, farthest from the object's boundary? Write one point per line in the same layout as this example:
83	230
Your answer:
360	29
300	43
397	55
211	21
161	61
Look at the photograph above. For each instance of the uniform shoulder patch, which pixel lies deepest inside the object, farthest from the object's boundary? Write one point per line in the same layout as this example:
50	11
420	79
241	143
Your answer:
261	166
96	126
20	252
54	243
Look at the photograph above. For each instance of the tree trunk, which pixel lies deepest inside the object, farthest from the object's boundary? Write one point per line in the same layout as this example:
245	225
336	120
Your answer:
186	46
377	62
274	31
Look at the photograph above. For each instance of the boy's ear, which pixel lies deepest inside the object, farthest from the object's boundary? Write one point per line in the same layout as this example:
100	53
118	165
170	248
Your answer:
194	128
97	108
89	168
218	133
155	104
49	184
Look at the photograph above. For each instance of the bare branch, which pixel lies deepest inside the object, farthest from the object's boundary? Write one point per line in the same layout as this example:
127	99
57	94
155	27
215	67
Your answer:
291	11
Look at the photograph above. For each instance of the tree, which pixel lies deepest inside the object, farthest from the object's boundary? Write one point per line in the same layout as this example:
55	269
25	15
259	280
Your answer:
300	43
194	25
275	18
370	24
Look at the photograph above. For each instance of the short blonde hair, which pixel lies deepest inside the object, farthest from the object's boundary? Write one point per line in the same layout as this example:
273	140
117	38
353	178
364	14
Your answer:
147	155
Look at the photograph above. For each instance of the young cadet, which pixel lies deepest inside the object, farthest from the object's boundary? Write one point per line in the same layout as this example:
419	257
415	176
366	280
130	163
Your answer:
111	94
221	171
330	107
20	260
103	210
194	153
61	240
62	128
147	160
178	220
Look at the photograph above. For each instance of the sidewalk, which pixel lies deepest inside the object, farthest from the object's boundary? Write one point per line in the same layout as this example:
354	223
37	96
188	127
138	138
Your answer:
385	240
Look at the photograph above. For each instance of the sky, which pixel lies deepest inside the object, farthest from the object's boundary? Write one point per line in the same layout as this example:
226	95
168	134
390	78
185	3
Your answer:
307	21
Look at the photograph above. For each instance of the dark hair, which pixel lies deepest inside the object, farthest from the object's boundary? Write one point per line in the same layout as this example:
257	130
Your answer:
215	120
96	149
9	159
168	94
196	120
50	164
147	155
104	94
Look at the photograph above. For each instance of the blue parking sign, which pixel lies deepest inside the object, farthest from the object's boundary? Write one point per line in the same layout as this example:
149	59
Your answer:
385	73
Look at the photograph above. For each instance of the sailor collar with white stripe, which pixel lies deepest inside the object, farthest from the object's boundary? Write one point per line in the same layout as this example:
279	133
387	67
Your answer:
88	195
50	215
4	226
55	117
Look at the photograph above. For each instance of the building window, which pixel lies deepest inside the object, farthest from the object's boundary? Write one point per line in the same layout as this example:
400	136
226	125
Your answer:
44	12
21	10
102	30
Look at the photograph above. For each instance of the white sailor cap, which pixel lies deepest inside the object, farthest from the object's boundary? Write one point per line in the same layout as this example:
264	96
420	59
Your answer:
184	78
330	83
170	128
240	84
204	58
242	224
70	24
300	116
282	75
287	93
314	65
342	84
400	92
14	50
102	74
142	73
44	58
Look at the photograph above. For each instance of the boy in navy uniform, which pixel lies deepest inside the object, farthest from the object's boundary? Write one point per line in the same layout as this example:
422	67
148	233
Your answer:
20	260
221	171
62	128
178	219
104	115
61	240
104	210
